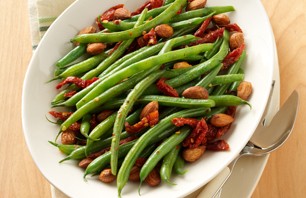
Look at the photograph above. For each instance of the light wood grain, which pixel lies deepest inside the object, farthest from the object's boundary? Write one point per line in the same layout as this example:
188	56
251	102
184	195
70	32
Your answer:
284	175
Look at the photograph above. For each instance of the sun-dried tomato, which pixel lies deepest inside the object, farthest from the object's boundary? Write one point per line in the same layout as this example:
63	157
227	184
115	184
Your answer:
69	94
107	15
185	121
165	88
200	32
60	115
210	37
233	27
197	136
77	81
219	145
150	120
211	132
151	4
93	121
150	37
128	139
232	57
75	127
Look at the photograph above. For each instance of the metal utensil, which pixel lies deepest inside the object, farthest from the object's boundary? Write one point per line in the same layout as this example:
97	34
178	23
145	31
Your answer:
266	138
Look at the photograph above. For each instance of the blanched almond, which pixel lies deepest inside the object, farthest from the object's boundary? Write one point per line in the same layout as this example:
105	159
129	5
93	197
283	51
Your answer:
196	92
193	154
221	120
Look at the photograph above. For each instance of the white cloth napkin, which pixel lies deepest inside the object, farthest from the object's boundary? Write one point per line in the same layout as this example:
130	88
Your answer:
42	14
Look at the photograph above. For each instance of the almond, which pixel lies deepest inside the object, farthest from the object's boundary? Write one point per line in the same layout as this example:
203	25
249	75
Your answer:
221	19
153	179
164	30
85	162
193	154
88	30
134	174
95	48
196	92
149	108
244	90
103	115
196	4
180	65
221	120
122	13
106	176
236	40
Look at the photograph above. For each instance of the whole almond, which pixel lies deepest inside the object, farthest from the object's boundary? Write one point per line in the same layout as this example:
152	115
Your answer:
104	114
196	4
134	174
122	13
193	154
244	90
221	19
85	162
196	92
180	65
153	179
95	48
149	108
164	30
106	176
221	120
68	137
236	40
88	30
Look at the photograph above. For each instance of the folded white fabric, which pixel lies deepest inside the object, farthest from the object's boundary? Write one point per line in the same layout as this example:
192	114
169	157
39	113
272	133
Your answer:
42	14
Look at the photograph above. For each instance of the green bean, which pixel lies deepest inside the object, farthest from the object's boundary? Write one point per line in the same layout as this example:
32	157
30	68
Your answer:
122	113
149	138
83	151
227	100
100	162
179	165
84	66
140	66
202	12
65	148
190	22
71	56
164	148
168	2
115	54
85	125
177	102
234	69
102	128
205	82
214	50
151	13
102	98
164	17
195	72
175	72
228	78
234	85
168	163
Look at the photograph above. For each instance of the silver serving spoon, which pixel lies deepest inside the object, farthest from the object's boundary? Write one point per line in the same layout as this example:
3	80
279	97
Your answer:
266	138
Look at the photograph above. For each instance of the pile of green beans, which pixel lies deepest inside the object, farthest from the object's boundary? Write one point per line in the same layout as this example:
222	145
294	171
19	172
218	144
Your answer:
126	83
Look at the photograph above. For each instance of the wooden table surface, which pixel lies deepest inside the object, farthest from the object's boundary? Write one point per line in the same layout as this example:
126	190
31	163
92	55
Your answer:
285	174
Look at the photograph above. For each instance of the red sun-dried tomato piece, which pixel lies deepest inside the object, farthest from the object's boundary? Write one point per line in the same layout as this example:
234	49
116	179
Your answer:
149	120
107	15
60	115
210	37
70	94
151	4
232	57
200	32
233	27
77	81
75	127
197	136
219	145
165	88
